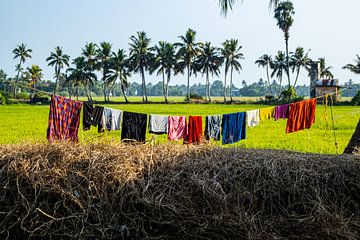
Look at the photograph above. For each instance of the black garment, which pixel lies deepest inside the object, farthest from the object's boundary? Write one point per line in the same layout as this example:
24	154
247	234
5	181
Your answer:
92	116
134	126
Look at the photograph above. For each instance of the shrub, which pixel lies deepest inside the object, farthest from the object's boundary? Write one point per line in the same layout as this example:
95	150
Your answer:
3	98
194	96
356	100
288	94
23	95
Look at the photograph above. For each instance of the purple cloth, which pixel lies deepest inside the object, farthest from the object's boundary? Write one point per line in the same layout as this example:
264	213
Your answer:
282	111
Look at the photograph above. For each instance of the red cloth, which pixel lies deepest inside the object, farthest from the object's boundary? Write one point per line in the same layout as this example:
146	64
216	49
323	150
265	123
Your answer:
64	119
301	116
194	130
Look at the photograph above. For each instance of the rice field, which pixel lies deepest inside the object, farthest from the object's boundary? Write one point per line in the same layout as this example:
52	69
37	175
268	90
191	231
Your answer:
28	123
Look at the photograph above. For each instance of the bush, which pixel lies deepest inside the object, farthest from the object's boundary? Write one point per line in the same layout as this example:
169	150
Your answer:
3	98
356	100
194	96
41	95
23	96
288	94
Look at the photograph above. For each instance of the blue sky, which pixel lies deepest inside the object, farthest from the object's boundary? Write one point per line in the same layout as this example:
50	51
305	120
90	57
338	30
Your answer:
328	27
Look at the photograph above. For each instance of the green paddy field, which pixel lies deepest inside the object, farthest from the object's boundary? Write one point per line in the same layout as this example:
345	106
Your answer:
27	123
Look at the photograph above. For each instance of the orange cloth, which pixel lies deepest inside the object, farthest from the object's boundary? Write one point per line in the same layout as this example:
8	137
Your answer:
301	116
267	113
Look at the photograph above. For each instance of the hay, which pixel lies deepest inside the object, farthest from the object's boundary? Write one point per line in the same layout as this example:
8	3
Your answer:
107	191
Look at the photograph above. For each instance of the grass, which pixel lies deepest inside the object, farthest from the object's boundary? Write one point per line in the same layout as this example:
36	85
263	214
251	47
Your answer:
28	123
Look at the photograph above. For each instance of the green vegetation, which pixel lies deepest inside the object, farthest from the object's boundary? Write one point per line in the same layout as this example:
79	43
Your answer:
24	123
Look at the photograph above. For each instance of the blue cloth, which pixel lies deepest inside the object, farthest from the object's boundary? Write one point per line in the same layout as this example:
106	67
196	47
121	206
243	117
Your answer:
233	127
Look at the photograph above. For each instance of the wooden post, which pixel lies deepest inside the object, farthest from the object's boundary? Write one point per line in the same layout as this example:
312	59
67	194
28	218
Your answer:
354	145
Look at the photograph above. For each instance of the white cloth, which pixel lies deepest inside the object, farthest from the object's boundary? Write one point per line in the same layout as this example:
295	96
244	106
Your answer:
158	124
253	117
111	119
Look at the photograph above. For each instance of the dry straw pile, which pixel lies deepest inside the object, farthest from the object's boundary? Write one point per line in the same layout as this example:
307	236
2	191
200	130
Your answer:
107	191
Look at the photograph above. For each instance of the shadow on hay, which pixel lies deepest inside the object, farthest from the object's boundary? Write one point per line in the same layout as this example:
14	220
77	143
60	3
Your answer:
107	191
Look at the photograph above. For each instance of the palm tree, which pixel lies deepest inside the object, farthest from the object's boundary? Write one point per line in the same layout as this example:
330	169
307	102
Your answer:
265	61
104	55
354	68
164	63
33	75
80	76
119	70
279	66
231	55
59	60
188	50
283	15
140	57
325	71
22	53
227	5
300	60
90	54
209	61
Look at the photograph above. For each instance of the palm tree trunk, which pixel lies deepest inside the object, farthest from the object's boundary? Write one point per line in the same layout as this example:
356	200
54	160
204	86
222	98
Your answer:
268	78
17	80
225	87
167	86
280	81
145	98
188	83
354	143
297	76
164	90
124	93
231	75
77	92
208	85
287	58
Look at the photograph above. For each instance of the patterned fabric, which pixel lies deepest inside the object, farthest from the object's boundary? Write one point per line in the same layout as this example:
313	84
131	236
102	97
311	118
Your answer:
64	119
212	127
177	127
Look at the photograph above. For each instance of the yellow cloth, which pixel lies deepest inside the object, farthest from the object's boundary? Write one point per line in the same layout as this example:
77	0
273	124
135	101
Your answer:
267	113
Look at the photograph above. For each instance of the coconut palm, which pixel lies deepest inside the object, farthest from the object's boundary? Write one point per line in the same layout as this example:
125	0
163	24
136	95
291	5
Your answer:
283	14
164	63
325	71
265	61
33	75
227	5
140	58
79	75
354	68
279	66
90	53
119	70
188	51
231	56
59	60
22	53
103	55
300	60
209	61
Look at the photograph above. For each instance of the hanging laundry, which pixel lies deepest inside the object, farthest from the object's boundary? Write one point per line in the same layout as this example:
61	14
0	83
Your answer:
64	119
212	127
134	126
253	117
111	119
233	127
267	113
194	130
158	124
282	111
92	116
176	127
301	115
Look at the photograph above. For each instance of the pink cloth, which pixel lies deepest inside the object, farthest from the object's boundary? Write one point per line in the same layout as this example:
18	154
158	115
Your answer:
282	111
176	127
